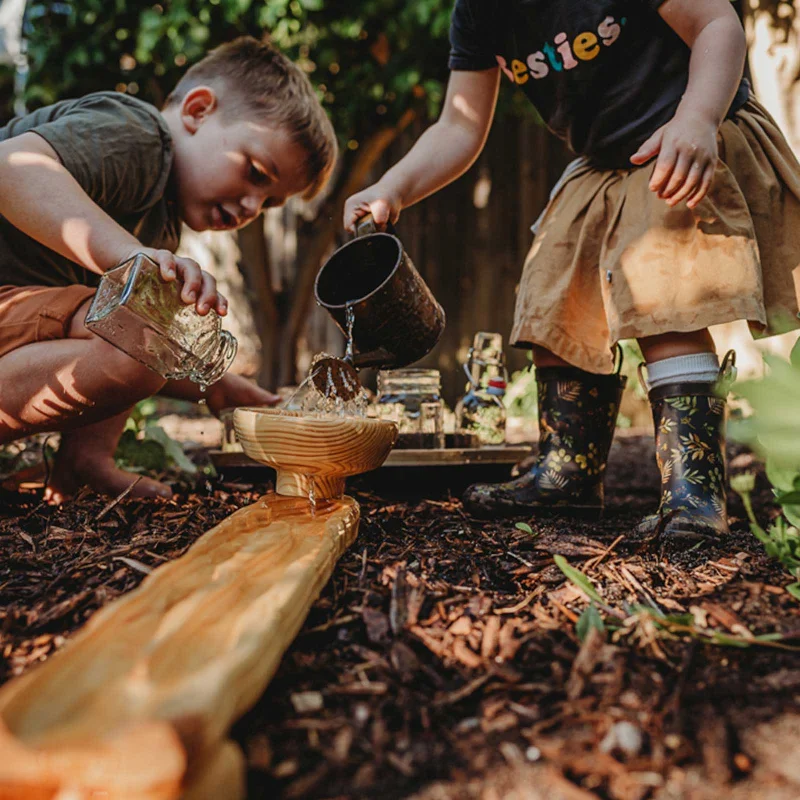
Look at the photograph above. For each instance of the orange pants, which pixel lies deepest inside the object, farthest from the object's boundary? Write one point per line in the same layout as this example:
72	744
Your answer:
38	313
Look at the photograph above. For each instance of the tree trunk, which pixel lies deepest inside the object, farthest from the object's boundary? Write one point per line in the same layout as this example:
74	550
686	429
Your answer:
255	268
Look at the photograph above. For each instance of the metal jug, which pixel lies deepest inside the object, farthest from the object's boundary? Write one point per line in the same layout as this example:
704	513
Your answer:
396	318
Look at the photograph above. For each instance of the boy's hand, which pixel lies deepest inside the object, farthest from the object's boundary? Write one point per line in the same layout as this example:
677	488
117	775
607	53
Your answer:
382	202
232	391
687	157
199	287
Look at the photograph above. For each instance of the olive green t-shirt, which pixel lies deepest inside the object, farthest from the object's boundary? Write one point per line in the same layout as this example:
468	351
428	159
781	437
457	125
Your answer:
120	151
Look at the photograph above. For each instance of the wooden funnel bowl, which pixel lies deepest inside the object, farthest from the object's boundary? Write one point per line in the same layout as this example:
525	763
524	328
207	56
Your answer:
313	452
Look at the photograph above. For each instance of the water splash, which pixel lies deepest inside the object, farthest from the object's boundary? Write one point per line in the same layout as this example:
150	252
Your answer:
329	403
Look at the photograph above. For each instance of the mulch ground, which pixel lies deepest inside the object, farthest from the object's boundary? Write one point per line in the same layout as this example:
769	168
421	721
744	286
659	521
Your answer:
442	659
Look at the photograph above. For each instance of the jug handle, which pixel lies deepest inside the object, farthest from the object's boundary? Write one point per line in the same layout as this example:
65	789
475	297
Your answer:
366	225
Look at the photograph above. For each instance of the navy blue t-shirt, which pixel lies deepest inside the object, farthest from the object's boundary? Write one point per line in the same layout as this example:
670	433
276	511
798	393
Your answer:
604	74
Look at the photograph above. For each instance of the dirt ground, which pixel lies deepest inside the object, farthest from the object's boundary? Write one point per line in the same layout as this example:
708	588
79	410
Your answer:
442	659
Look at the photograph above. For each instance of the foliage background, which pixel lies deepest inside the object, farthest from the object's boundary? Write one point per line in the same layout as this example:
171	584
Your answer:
370	61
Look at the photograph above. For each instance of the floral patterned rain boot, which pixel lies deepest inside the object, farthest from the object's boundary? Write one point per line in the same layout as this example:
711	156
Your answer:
689	423
577	416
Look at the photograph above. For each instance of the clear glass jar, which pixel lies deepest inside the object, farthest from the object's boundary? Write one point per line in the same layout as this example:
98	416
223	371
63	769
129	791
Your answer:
485	360
139	312
413	399
481	410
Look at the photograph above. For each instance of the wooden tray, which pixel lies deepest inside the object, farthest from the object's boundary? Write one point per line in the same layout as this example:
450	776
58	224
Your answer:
453	457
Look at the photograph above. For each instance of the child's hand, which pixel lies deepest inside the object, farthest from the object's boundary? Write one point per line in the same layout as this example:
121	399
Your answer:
199	287
232	391
383	203
687	157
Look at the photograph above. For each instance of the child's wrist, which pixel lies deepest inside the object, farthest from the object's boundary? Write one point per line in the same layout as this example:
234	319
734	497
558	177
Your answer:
394	191
126	252
704	115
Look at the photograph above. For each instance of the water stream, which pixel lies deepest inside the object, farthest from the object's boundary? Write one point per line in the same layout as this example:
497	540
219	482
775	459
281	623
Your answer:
314	400
350	318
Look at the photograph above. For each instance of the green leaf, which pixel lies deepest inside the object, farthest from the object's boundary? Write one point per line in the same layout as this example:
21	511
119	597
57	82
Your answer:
728	641
794	356
140	453
794	590
770	637
792	513
578	578
523	526
680	619
781	477
788	498
590	618
172	448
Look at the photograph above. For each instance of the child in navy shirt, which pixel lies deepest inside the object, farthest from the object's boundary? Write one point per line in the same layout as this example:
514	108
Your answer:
682	211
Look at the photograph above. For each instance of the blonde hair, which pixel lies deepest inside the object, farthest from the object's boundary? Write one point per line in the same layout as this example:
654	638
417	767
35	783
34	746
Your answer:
258	79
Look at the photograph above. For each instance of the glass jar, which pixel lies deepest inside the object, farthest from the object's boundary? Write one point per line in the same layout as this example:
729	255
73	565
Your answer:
486	359
412	398
481	410
140	313
483	413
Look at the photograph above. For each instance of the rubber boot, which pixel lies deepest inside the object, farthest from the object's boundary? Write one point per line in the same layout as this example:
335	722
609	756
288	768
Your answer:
689	421
577	416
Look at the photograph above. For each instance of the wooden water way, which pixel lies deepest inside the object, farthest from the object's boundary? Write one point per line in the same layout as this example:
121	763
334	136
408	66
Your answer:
139	704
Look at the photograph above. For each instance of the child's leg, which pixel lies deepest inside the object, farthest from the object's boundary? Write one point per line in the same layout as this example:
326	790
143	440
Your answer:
689	418
542	357
577	416
69	385
672	345
86	456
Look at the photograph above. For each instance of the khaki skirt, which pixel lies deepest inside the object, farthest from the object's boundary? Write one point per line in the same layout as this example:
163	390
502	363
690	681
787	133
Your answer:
612	261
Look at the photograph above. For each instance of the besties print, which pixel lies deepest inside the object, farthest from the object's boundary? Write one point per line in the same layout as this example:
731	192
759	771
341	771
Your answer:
603	74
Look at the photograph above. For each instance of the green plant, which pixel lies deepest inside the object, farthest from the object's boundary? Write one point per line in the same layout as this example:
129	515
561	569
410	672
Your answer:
646	623
145	446
782	539
773	430
521	394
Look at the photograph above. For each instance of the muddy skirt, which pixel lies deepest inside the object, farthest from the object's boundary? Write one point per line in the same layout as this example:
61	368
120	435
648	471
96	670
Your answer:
612	261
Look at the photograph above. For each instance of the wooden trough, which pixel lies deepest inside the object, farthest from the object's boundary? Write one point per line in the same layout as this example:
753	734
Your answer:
139	704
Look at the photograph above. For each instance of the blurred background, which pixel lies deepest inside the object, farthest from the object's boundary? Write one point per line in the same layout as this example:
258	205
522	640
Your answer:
380	67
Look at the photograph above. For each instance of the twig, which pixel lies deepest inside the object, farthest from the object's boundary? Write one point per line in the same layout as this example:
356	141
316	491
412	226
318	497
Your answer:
599	559
465	691
518	607
117	499
331	623
520	558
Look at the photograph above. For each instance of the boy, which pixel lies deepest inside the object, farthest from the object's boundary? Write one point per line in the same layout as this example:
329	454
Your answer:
87	183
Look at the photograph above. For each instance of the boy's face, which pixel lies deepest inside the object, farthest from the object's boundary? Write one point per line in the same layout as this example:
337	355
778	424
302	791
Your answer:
229	169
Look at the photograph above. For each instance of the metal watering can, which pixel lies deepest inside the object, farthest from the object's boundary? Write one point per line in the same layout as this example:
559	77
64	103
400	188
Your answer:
396	318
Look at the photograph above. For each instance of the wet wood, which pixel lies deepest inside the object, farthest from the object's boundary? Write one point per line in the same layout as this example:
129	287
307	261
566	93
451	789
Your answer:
313	454
140	704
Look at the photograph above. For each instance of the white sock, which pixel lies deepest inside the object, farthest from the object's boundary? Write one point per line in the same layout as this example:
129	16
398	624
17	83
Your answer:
697	368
